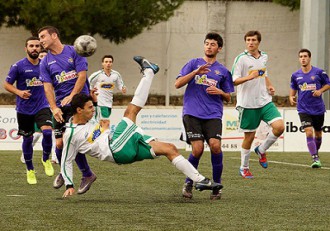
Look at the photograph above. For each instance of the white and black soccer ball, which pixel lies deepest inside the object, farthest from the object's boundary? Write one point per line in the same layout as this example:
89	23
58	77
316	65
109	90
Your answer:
85	45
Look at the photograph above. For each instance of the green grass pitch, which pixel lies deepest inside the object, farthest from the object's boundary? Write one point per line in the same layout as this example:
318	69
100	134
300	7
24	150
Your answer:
146	195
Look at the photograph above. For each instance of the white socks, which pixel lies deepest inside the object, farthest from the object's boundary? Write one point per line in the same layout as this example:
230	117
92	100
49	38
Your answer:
271	138
186	168
36	137
245	156
142	91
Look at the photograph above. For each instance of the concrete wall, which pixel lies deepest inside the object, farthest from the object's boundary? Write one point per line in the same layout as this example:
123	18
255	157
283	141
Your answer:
171	44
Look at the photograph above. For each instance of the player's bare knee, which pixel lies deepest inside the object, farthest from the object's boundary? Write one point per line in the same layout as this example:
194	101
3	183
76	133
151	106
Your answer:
173	149
215	145
197	148
278	130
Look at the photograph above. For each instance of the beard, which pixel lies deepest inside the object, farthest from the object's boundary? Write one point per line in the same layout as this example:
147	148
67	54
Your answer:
210	55
34	55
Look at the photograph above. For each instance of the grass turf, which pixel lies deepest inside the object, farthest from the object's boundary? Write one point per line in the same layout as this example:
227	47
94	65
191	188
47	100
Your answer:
147	196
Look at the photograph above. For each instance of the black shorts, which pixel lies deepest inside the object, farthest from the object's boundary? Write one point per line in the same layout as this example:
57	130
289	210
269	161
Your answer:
59	128
202	129
315	121
26	122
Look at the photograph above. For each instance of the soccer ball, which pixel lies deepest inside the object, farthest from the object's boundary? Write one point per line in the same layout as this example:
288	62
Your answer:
85	45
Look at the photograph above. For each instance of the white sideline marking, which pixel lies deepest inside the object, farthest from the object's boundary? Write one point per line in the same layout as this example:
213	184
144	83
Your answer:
15	195
284	163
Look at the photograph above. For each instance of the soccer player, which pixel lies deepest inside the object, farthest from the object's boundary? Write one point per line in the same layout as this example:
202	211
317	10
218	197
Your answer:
208	84
254	101
104	81
38	133
31	106
128	144
63	73
310	82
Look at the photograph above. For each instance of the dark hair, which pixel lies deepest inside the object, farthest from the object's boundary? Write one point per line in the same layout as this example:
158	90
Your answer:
79	100
253	33
107	56
305	50
30	39
216	37
50	30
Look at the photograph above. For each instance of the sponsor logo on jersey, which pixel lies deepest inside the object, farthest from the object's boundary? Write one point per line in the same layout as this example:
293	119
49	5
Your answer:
95	133
34	82
26	71
307	87
107	86
203	80
66	76
261	72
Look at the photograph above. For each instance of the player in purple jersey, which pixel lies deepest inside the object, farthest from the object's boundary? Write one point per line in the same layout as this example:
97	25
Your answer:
310	82
31	106
63	72
208	84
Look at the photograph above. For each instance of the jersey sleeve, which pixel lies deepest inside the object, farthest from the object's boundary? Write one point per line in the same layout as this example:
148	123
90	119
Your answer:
324	78
69	153
237	68
92	80
293	83
12	74
227	83
119	82
44	73
187	68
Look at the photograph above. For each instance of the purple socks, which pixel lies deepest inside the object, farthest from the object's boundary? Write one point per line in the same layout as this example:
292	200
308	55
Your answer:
318	142
217	166
47	143
81	161
27	149
194	161
312	147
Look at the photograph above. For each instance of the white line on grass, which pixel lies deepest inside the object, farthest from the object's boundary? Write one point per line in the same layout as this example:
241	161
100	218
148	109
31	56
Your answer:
15	195
285	163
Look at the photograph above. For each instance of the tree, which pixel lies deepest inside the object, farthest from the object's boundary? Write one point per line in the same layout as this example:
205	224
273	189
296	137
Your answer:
293	4
116	20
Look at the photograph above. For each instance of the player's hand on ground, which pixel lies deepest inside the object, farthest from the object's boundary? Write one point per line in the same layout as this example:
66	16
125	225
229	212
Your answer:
68	192
57	114
317	93
292	100
66	100
24	94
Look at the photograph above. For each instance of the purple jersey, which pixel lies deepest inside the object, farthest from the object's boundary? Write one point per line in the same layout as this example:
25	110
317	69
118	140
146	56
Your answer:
306	84
62	72
197	102
26	76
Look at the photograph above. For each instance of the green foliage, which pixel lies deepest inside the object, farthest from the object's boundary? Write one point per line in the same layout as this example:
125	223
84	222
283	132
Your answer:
146	195
293	4
116	20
